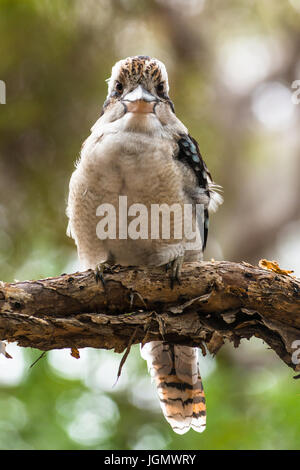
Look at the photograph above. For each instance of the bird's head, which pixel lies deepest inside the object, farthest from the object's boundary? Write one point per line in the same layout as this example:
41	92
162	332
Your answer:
139	83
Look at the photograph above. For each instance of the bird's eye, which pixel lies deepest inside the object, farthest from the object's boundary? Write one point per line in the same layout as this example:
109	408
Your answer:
160	88
119	87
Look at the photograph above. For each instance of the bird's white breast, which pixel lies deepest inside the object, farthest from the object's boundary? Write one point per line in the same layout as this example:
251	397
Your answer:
120	161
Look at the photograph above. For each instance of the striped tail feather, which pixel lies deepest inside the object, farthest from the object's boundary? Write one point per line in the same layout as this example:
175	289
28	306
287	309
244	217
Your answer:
175	371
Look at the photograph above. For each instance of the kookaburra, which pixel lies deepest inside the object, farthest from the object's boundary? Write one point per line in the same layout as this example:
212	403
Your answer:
140	150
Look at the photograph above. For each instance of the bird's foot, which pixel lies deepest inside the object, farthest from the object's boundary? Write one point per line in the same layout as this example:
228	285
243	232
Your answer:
99	271
175	267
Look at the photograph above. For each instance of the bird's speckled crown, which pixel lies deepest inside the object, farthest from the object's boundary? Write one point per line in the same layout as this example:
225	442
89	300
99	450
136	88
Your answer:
137	68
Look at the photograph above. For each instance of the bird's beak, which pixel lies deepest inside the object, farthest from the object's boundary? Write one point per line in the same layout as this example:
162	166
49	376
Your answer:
139	100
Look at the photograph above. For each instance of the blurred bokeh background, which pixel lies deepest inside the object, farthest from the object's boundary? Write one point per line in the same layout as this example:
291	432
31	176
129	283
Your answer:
231	68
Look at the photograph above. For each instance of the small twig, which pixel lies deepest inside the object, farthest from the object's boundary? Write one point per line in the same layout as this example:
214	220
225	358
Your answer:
123	360
147	332
40	357
161	326
132	294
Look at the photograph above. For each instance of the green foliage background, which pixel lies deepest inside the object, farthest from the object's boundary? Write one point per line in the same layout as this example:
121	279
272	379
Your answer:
54	58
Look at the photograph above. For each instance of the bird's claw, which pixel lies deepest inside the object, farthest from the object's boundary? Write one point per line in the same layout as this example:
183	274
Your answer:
99	273
175	267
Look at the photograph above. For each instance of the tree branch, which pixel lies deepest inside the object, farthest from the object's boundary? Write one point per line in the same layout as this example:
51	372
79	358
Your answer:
215	301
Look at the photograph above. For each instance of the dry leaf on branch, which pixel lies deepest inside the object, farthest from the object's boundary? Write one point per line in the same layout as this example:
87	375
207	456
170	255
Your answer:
273	266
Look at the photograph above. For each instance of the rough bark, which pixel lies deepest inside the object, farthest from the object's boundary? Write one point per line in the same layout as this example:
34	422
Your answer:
214	302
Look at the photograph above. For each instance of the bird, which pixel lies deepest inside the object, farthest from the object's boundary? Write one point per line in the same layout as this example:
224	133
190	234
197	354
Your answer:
138	149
